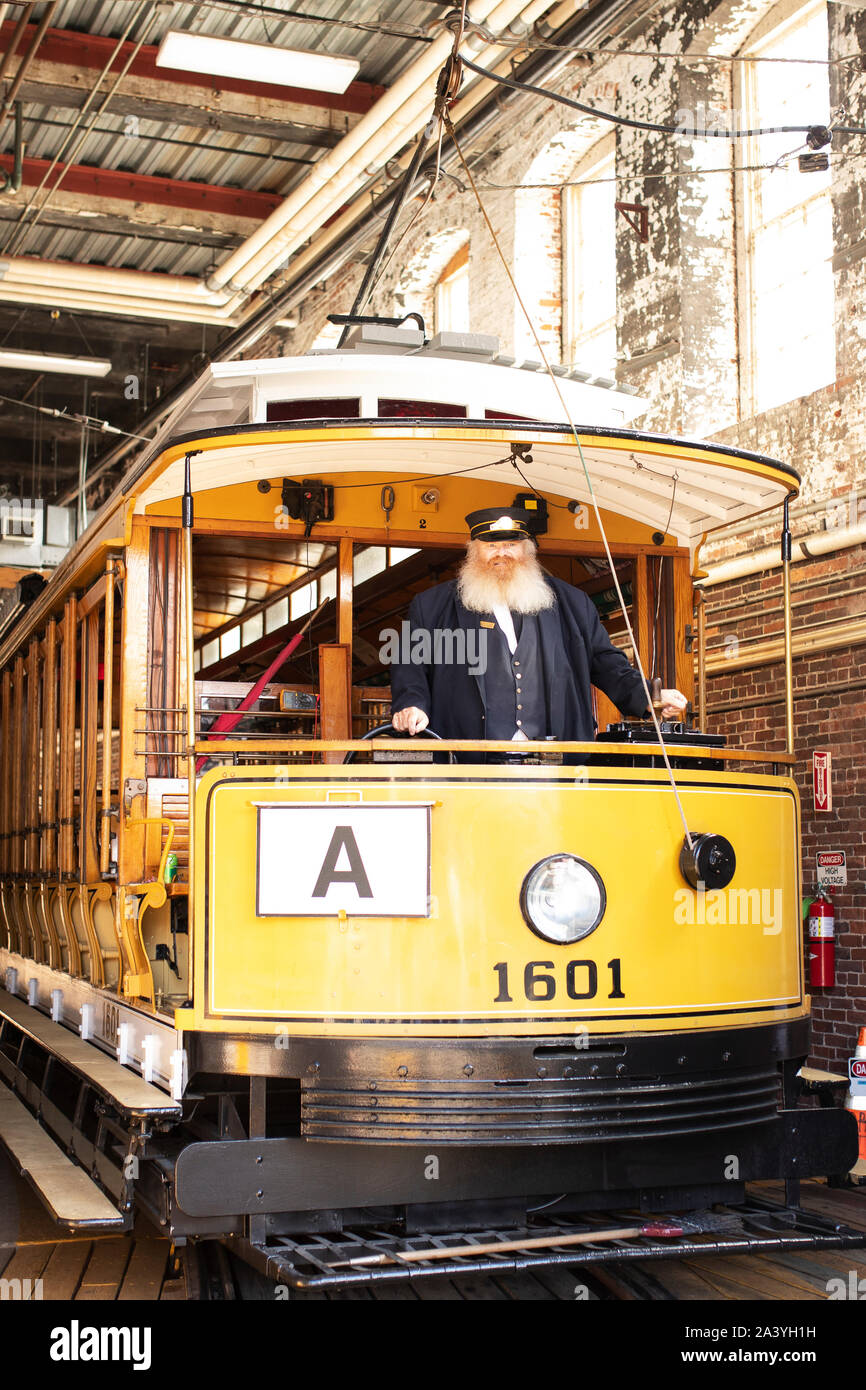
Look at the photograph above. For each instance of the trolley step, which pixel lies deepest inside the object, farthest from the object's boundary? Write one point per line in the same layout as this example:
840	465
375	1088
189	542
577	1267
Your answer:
371	1255
66	1190
128	1093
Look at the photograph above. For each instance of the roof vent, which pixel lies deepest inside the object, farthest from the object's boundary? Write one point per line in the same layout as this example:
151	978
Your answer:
375	337
478	347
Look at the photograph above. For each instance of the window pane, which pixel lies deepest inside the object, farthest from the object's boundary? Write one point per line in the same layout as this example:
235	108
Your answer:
328	585
452	302
398	553
230	642
303	601
252	629
277	615
210	652
589	327
787	233
327	408
368	563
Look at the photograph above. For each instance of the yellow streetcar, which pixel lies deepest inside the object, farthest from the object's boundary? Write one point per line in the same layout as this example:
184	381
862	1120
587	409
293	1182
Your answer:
326	996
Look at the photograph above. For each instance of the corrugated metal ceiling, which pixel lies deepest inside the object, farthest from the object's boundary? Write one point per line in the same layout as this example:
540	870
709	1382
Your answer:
175	151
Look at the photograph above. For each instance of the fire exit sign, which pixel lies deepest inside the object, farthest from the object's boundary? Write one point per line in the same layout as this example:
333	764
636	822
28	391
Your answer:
822	780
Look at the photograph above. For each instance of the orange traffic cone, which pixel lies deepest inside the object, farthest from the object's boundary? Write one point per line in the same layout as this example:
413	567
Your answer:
855	1100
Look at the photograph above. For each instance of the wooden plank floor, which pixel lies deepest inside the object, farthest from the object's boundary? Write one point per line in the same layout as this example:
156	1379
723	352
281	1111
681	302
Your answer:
77	1268
787	1276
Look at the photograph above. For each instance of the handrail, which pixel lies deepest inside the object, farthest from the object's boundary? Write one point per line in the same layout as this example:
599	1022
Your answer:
488	746
155	894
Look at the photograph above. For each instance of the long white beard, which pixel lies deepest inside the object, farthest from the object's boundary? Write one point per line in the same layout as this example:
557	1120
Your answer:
523	591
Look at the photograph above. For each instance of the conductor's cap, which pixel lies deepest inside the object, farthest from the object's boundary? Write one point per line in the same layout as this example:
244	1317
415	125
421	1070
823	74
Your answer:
499	524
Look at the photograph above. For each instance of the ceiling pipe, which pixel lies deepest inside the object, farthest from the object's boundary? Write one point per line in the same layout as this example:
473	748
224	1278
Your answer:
86	279
400	106
83	302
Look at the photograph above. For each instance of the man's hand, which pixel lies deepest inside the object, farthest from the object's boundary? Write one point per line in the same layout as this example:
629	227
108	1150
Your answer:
673	704
410	721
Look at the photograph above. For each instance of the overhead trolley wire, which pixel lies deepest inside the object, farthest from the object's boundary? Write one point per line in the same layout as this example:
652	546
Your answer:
531	42
711	132
450	129
90	421
238	7
672	175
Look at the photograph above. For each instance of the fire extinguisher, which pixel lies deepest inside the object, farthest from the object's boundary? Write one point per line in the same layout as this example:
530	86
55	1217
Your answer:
821	926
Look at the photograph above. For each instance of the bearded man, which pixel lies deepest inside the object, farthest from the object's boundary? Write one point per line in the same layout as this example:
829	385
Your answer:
541	642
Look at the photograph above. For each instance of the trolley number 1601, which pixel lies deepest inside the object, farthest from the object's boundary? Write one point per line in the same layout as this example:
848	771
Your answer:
581	980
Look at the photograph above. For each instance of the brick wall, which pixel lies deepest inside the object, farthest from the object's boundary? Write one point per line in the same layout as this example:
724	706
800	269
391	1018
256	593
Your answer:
747	705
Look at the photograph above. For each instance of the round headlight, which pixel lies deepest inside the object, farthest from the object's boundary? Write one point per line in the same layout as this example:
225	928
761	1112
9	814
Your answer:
563	899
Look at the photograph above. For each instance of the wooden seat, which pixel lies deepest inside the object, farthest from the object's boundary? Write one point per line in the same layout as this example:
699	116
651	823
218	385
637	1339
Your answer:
68	1193
127	1092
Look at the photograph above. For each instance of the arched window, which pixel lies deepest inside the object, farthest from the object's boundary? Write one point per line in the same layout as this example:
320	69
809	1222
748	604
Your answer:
451	300
589	262
785	231
434	282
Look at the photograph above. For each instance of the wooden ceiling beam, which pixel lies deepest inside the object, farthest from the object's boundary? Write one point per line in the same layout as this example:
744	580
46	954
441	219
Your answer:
90	181
80	218
299	126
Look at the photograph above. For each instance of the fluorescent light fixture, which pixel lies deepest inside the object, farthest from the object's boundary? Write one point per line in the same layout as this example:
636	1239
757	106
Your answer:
255	62
45	362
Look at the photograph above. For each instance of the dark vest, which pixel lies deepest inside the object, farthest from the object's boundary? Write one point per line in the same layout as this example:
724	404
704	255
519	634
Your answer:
514	685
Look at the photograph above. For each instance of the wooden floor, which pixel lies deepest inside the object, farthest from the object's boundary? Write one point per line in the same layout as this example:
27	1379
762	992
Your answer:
74	1267
138	1267
783	1277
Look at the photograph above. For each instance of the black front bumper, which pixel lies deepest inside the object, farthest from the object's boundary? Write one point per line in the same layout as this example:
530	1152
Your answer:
578	1090
241	1178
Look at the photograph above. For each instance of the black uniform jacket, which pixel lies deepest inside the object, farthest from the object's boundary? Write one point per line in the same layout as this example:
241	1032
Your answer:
575	649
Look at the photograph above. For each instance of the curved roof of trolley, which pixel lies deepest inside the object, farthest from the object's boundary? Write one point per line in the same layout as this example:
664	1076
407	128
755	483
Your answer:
684	488
681	487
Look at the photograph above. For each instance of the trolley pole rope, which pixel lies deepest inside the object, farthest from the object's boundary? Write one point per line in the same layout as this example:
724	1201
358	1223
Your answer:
450	128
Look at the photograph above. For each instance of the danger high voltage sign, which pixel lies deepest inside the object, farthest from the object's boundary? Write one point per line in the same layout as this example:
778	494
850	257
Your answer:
832	870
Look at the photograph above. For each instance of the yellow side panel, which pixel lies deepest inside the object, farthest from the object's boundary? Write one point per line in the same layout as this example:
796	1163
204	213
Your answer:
661	957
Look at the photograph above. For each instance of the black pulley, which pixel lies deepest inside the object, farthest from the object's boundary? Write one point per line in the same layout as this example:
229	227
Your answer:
710	863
